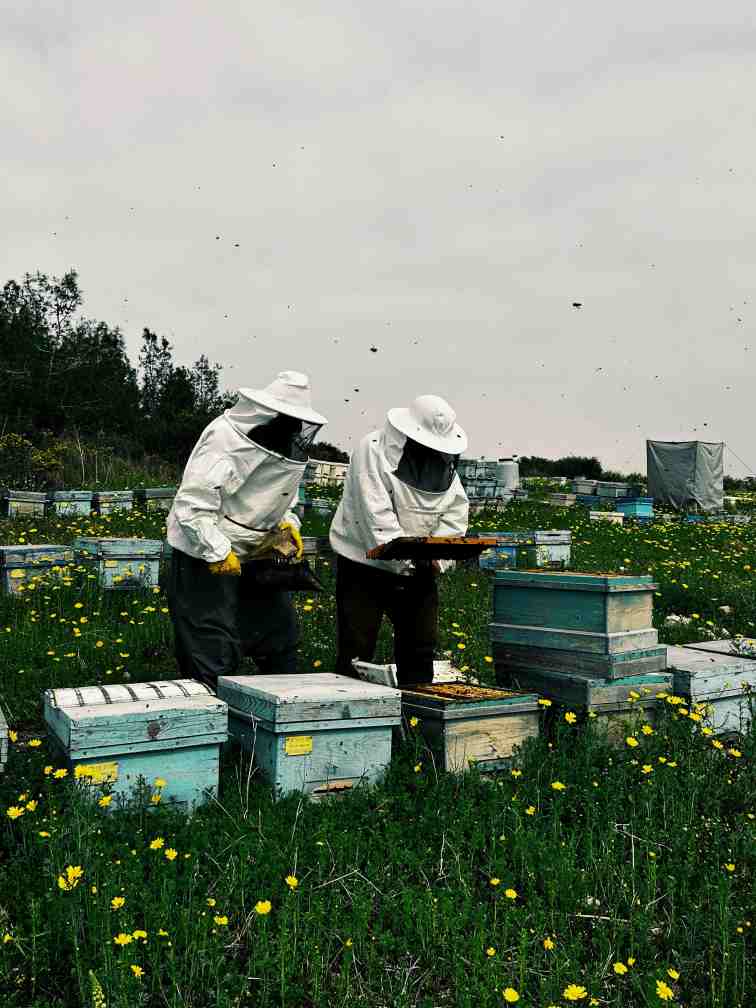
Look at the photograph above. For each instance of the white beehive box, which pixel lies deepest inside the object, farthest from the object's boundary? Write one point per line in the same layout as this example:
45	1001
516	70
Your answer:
70	502
612	517
105	502
121	563
23	504
22	566
124	736
318	734
708	673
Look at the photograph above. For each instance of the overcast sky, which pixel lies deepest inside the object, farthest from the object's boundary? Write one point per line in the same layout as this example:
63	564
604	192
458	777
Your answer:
438	180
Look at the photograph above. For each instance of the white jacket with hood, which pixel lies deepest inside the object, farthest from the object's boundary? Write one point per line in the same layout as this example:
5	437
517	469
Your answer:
233	491
377	506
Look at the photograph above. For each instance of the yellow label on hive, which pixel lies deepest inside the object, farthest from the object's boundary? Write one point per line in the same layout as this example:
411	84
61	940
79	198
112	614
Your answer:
18	573
298	745
97	773
111	563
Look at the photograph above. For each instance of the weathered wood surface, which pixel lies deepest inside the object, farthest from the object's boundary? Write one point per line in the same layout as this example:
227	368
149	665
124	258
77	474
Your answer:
514	657
322	761
725	683
487	743
462	701
583	691
285	699
22	564
70	502
575	640
21	503
121	563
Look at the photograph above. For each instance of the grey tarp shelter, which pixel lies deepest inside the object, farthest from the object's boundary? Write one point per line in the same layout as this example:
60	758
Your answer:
687	475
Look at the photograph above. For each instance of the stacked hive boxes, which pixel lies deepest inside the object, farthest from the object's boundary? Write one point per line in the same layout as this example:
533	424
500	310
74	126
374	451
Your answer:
539	548
579	639
719	677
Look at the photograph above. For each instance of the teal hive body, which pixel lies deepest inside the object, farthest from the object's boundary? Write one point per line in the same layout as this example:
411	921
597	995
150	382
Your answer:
471	726
121	563
318	734
125	736
511	658
22	565
642	507
710	674
155	498
597	613
575	690
104	502
23	504
70	502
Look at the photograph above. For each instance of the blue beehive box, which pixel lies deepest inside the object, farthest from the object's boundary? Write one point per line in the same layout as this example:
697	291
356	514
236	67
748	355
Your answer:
570	610
721	682
548	548
105	502
23	504
155	498
124	736
638	506
70	502
21	566
121	563
318	734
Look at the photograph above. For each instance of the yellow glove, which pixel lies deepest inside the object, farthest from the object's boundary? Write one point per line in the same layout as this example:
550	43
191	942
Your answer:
230	565
295	536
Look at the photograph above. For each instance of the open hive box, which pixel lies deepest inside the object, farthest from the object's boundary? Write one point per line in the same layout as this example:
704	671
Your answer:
469	725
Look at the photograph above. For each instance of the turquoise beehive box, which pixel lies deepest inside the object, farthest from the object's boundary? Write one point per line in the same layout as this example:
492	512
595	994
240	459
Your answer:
723	682
121	563
124	736
318	734
105	502
70	502
23	504
22	566
596	613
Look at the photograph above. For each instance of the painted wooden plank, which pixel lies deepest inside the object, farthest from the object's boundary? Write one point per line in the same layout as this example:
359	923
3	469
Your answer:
324	762
576	581
583	691
612	666
575	640
463	701
318	696
485	743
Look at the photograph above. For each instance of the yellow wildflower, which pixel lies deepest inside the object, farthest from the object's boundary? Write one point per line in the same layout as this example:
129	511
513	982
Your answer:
631	741
495	881
664	992
105	800
673	973
619	968
530	810
490	951
123	939
510	995
263	907
157	843
14	812
61	773
558	786
35	742
117	902
548	944
137	971
574	992
171	854
222	921
510	894
292	881
570	718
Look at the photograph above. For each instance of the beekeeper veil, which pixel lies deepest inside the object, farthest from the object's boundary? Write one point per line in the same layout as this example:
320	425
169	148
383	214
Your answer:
280	417
425	442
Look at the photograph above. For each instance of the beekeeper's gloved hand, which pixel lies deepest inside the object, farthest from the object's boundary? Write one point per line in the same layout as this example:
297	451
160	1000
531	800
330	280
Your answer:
230	565
296	538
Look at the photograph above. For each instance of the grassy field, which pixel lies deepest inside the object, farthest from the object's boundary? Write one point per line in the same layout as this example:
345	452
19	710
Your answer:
584	875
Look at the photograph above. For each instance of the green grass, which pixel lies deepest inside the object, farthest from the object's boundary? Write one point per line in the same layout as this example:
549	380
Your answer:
395	904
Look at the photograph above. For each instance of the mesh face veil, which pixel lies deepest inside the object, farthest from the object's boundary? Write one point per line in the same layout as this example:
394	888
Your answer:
286	435
426	469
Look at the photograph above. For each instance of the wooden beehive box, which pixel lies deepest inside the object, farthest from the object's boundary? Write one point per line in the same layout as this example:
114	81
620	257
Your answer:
710	674
612	517
23	504
319	734
121	563
470	725
127	735
512	658
561	499
70	502
598	613
584	486
612	490
23	565
155	498
105	502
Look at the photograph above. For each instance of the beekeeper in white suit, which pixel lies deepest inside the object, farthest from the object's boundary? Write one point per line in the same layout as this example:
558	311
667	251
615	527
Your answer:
239	486
401	481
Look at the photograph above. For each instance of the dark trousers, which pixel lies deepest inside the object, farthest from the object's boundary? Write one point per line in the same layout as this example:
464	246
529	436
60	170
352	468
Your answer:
218	619
364	595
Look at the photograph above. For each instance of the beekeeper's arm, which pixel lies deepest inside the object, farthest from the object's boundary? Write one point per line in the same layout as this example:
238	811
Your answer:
369	504
197	506
454	520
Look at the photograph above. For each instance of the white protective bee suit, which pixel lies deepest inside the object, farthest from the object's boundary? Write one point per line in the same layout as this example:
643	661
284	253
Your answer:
235	489
401	481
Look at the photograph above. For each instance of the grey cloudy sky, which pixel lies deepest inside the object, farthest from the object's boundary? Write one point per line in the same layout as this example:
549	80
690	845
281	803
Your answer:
439	180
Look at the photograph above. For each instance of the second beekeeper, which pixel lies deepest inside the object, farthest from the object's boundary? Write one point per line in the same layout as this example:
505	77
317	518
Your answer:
401	481
235	501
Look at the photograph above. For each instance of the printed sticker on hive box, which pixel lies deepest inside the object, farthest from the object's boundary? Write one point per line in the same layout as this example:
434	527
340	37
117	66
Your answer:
97	773
298	745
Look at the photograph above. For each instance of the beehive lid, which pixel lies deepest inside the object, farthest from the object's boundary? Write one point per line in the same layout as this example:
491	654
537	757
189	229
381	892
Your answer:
574	581
159	491
71	495
321	697
700	674
91	696
29	553
451	701
123	549
431	548
25	495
